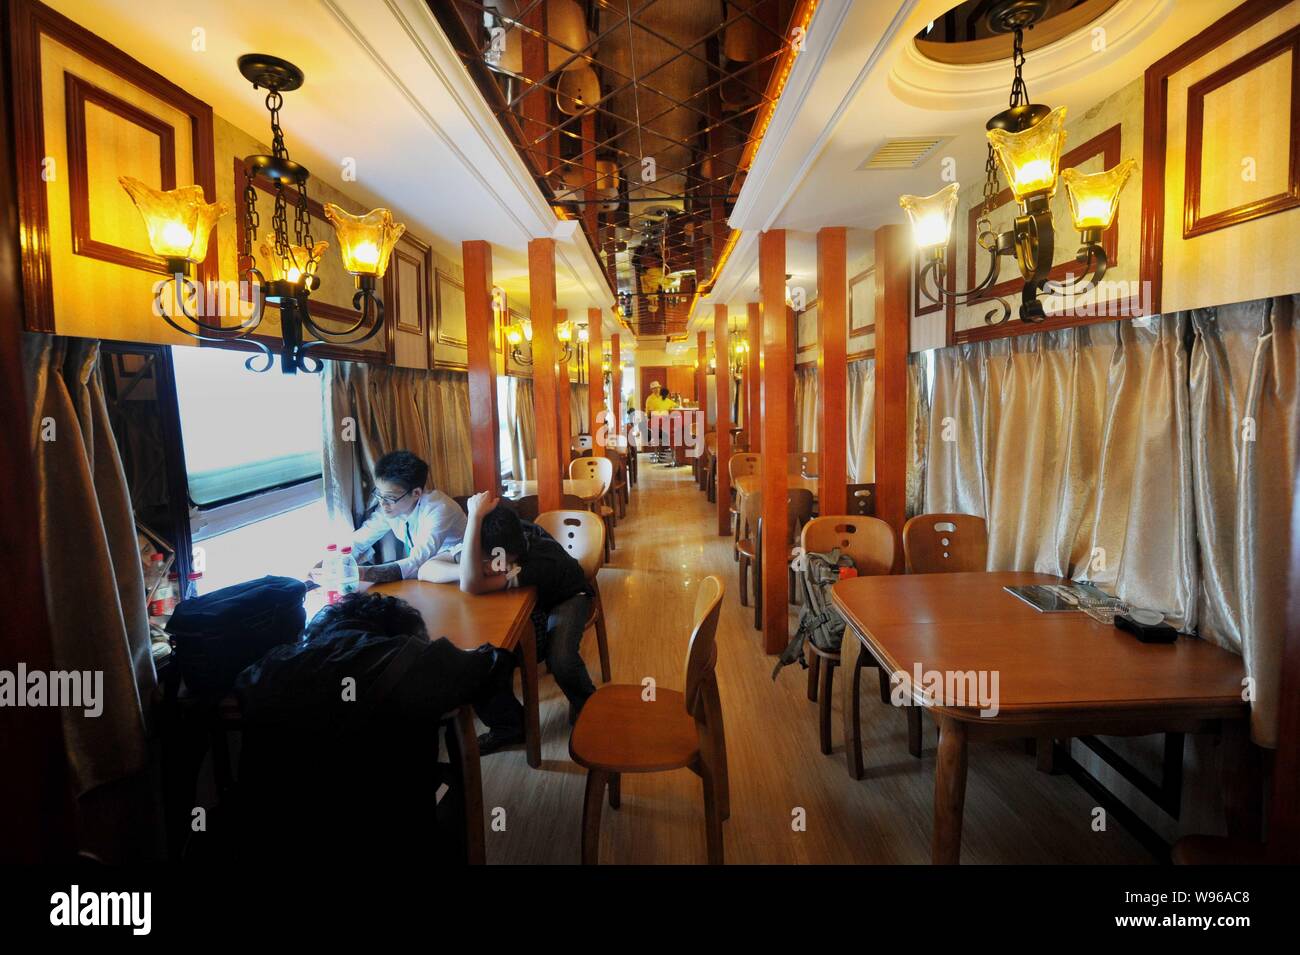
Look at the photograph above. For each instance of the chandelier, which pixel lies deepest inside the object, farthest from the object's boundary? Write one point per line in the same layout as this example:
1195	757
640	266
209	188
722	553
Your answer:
1026	140
519	335
179	222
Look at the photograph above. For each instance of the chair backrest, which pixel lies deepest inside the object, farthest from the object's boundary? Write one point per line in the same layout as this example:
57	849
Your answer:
868	540
945	543
463	501
580	442
602	469
702	651
803	463
620	466
862	499
711	442
579	532
743	463
526	507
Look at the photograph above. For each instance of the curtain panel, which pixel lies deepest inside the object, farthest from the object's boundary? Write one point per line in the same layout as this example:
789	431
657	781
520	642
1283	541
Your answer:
98	620
578	410
521	422
1155	456
370	410
807	407
861	414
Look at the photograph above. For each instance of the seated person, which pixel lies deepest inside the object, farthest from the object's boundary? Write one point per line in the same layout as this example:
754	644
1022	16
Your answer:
339	728
428	522
503	551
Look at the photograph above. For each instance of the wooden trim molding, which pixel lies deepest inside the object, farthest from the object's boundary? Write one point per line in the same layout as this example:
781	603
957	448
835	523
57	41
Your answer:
79	94
439	277
28	21
419	255
1156	131
854	280
1194	221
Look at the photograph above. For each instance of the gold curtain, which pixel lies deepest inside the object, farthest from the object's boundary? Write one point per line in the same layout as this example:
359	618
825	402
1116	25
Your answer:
1156	457
861	414
807	407
98	620
578	410
521	420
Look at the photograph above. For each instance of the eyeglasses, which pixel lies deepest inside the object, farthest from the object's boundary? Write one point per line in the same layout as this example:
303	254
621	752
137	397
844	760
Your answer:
384	499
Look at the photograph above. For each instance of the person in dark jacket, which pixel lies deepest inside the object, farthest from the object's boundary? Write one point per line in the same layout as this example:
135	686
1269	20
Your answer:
340	746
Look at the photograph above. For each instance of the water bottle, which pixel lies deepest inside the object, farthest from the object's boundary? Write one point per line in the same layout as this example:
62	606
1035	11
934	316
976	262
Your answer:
329	571
349	581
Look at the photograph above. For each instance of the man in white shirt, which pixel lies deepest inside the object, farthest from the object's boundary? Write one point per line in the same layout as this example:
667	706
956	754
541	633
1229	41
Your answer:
428	522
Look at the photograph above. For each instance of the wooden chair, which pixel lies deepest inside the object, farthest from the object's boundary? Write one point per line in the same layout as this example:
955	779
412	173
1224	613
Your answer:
803	463
619	732
862	500
872	545
741	464
462	500
582	534
620	485
601	469
945	543
527	507
798	509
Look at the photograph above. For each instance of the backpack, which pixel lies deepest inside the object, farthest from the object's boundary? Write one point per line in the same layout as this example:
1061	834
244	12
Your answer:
217	635
820	623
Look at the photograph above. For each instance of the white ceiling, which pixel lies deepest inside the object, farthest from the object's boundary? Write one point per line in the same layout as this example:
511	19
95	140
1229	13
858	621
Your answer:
383	87
872	85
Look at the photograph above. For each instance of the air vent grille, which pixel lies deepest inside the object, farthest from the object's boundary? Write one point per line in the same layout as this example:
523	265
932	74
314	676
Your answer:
904	153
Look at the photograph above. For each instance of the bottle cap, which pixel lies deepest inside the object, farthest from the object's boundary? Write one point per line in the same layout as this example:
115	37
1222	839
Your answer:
156	556
346	550
195	575
332	547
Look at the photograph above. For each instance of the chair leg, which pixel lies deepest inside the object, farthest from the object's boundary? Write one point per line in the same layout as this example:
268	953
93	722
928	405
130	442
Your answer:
824	698
615	792
814	669
602	638
744	581
609	533
884	683
758	593
712	815
596	780
914	730
853	718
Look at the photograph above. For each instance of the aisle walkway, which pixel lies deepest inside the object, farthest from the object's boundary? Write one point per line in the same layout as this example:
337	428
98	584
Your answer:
1014	814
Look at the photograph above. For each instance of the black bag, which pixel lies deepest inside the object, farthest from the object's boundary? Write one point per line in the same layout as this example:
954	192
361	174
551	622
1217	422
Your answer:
820	623
217	635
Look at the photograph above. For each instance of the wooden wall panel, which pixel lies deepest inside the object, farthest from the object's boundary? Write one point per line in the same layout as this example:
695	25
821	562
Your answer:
408	301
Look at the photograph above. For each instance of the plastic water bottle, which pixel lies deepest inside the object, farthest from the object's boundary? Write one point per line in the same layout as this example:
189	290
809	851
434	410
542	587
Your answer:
349	581
330	569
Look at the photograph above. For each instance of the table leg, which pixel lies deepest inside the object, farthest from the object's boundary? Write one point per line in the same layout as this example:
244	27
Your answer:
532	721
949	792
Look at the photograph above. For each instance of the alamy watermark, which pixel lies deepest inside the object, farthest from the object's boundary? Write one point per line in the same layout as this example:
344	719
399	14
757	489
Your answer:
76	689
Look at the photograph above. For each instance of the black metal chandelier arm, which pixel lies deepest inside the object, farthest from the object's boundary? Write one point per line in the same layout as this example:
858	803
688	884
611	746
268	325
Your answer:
1031	308
935	267
181	286
998	315
1093	258
373	308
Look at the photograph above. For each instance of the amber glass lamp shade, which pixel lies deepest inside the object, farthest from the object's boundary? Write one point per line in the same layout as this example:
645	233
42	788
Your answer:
1094	198
584	336
179	221
564	332
302	262
931	216
1031	158
514	335
365	242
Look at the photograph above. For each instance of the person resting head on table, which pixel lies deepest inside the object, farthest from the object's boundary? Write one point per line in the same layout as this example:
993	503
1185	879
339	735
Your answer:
428	522
501	551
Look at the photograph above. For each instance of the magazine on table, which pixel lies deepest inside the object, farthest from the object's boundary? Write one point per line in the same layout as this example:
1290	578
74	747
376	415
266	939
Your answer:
1059	598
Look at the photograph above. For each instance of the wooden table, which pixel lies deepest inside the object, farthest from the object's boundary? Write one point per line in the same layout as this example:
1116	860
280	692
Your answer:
1059	675
589	489
749	489
502	618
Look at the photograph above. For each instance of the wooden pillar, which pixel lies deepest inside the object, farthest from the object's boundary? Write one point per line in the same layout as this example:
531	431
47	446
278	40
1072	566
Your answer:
563	415
480	357
776	367
832	366
893	330
722	395
595	381
535	104
791	414
546	378
702	385
590	210
616	385
754	417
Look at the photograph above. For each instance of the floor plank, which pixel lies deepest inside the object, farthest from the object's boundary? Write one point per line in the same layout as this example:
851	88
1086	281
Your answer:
1014	814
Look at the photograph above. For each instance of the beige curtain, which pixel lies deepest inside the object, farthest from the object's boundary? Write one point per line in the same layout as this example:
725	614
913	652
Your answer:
521	420
578	410
861	413
1155	457
371	410
807	407
918	414
94	587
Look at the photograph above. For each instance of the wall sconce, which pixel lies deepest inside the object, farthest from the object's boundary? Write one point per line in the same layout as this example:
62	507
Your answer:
519	335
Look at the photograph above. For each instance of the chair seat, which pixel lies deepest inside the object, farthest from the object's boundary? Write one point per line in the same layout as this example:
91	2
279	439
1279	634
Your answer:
824	654
619	732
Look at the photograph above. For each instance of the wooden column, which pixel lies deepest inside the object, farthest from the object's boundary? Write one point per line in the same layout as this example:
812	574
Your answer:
616	385
546	378
702	386
832	366
722	395
595	381
754	417
776	367
563	427
893	330
791	413
480	356
535	104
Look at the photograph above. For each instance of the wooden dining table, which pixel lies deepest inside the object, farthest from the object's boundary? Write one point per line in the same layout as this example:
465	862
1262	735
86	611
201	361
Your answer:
1059	675
502	618
749	491
589	489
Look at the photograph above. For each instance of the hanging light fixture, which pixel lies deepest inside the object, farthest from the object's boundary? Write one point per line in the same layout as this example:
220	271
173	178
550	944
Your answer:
179	223
1025	140
519	336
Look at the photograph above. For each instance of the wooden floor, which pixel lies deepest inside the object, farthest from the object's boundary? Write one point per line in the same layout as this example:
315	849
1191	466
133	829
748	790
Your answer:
1014	814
